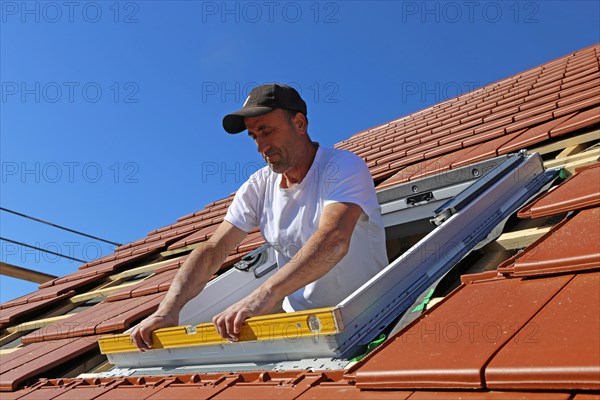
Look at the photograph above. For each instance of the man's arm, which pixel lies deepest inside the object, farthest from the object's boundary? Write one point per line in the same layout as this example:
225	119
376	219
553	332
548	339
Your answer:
325	248
191	278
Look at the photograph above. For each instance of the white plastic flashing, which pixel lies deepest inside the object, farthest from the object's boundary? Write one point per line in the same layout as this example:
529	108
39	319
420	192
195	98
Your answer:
229	288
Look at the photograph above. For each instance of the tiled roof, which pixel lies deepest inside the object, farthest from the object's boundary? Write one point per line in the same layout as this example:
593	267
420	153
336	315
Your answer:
41	357
528	328
580	191
11	314
508	332
103	318
551	100
563	249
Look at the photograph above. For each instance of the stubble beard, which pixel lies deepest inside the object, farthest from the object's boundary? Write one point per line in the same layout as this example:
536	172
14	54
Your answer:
279	167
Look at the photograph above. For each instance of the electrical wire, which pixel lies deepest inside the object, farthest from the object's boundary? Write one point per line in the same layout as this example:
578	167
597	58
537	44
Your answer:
59	227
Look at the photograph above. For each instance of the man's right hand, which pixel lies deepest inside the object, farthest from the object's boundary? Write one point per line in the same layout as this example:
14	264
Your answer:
141	335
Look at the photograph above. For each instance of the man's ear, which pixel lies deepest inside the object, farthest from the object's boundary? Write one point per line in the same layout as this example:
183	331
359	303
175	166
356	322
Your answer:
299	121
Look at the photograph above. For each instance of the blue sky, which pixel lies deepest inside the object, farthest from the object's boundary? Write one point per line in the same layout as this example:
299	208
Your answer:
111	111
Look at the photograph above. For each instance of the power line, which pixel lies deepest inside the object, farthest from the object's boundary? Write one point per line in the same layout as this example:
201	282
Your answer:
40	249
59	227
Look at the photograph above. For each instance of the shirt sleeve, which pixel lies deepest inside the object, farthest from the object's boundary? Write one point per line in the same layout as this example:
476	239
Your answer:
348	181
243	211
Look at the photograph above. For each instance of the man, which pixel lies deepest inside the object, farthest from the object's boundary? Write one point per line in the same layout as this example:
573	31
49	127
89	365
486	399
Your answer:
316	206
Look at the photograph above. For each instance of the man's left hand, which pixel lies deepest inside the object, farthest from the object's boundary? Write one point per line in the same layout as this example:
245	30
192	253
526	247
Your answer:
229	323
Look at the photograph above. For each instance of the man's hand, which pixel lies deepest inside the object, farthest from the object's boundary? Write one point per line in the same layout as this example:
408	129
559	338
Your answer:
229	323
141	335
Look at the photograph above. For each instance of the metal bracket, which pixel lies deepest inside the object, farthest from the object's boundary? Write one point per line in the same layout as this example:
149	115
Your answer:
259	261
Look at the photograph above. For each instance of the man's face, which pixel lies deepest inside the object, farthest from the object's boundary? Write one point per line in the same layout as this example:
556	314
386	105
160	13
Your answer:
278	139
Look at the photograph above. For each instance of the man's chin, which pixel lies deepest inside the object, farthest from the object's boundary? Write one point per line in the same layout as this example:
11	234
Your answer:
278	168
275	168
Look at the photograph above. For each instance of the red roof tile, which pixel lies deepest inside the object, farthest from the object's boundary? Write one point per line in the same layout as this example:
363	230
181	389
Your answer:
441	164
581	105
337	388
533	135
577	82
253	241
140	308
148	286
404	174
102	318
594	82
176	263
274	386
35	359
486	150
581	120
50	292
12	315
557	349
587	396
443	149
563	249
161	281
479	395
465	330
196	237
580	191
331	386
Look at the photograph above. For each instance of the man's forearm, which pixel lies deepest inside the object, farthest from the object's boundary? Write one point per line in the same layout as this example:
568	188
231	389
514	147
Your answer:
191	278
321	252
318	256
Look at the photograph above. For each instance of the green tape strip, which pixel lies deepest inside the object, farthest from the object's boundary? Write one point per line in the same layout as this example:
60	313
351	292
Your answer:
421	306
563	174
371	346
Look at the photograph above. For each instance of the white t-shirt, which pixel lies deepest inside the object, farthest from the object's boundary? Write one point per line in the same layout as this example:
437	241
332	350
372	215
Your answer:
288	217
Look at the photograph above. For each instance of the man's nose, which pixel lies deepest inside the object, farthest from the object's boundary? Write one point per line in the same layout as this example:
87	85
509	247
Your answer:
262	145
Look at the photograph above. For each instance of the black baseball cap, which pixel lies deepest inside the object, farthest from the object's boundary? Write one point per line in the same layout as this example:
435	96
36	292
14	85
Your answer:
261	100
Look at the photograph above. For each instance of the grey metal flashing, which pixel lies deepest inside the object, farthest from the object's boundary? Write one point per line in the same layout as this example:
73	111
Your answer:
400	213
462	199
320	364
419	186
